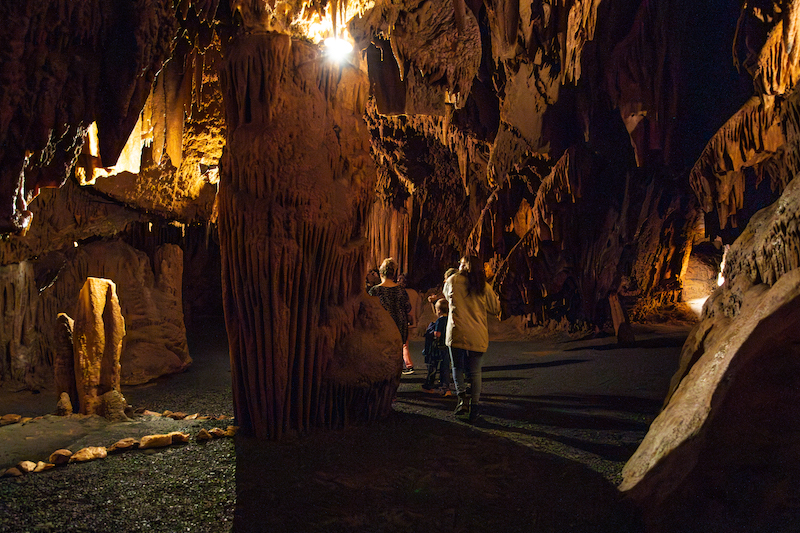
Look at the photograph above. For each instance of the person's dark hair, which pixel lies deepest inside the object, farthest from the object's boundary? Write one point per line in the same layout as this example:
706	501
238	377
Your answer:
388	269
476	277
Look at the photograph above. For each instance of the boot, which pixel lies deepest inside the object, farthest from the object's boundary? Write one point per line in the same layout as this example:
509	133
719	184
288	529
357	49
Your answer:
461	406
474	410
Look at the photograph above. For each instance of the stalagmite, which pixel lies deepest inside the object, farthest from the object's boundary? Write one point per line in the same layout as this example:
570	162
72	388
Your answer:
97	336
64	362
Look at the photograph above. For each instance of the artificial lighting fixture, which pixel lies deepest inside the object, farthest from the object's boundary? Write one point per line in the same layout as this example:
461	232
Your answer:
337	49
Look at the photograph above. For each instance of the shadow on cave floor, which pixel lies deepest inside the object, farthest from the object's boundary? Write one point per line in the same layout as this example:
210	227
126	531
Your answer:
418	473
546	454
560	418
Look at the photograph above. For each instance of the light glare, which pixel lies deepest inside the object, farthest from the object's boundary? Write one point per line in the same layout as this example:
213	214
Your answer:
696	305
337	49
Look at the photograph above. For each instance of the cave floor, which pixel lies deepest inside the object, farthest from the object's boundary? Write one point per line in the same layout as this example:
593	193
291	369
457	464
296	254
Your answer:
561	415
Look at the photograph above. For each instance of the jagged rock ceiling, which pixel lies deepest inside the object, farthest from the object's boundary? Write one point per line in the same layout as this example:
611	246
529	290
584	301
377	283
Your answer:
583	149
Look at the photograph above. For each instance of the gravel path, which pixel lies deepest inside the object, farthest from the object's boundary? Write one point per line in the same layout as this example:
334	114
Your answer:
561	418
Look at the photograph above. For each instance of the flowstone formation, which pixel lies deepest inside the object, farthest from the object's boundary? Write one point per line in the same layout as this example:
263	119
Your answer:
294	192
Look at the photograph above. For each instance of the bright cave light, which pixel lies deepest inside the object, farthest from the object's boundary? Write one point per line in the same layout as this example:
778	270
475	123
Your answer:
720	279
337	49
696	305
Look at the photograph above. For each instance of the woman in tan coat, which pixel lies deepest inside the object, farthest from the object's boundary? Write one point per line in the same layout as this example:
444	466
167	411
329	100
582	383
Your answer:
470	299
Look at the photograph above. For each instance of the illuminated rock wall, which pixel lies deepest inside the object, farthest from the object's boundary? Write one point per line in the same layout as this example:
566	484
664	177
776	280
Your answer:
295	190
723	451
64	65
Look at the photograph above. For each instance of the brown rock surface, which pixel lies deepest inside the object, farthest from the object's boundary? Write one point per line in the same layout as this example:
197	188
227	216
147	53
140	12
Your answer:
728	424
60	457
89	453
150	300
155	441
99	330
64	406
64	363
10	418
122	445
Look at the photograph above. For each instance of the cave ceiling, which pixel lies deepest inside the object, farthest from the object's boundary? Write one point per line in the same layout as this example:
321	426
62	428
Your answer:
578	147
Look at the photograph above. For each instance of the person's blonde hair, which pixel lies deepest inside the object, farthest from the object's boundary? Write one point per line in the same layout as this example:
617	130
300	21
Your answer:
441	306
388	269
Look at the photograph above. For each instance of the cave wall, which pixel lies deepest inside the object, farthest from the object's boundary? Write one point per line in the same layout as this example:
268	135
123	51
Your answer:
580	148
66	65
127	98
572	184
722	453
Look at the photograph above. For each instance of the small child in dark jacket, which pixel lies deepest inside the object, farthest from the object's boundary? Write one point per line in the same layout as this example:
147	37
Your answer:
436	355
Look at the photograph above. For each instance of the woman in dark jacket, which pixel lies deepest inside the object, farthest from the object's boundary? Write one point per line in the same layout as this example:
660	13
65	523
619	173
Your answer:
394	299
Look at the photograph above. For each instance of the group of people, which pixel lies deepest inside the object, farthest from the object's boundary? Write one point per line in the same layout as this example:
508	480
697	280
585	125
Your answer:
458	338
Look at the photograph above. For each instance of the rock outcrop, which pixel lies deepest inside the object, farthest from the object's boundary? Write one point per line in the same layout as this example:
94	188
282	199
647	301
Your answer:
722	452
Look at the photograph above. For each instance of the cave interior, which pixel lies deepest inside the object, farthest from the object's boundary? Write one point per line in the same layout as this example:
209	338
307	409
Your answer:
611	163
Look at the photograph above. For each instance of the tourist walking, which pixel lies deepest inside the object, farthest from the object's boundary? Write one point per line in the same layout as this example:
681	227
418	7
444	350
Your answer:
394	299
470	299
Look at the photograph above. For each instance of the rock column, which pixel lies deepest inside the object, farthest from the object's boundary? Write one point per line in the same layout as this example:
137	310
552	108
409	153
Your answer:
97	339
295	184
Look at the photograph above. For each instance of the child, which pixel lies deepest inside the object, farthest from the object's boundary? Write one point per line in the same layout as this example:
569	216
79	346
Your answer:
436	355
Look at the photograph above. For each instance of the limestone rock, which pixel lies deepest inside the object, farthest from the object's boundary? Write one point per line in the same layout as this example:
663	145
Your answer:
217	432
12	472
90	453
113	406
155	334
203	436
123	445
97	336
26	466
60	457
41	466
8	419
18	311
155	441
64	361
727	427
161	440
64	406
178	437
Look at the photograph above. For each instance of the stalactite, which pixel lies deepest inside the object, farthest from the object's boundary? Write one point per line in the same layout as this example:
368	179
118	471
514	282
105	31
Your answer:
94	53
777	72
582	23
